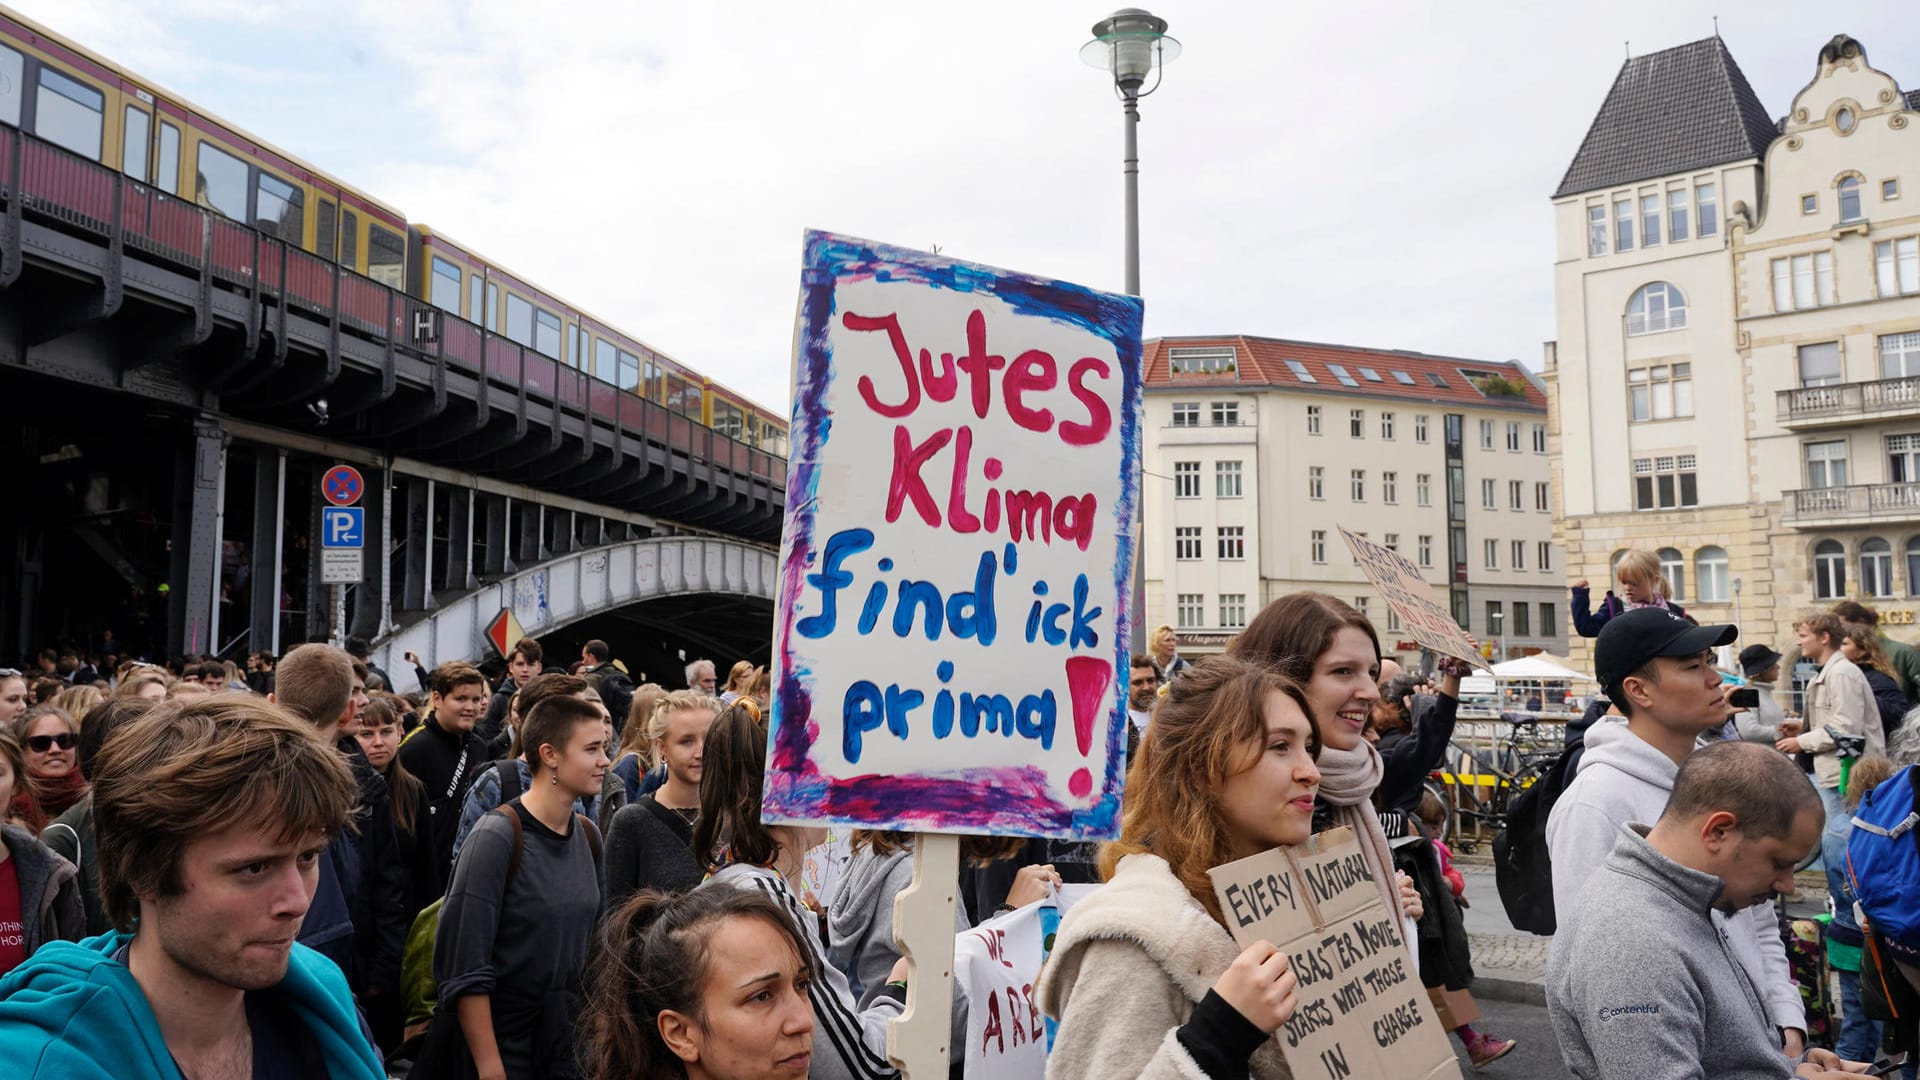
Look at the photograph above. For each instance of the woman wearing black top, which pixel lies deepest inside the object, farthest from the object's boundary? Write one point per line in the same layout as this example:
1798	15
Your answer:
513	935
1861	644
379	735
650	844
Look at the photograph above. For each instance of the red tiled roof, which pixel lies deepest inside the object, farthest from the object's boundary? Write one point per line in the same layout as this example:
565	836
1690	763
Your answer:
1262	362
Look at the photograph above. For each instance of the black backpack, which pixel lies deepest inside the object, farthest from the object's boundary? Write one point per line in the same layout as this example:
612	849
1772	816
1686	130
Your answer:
1522	867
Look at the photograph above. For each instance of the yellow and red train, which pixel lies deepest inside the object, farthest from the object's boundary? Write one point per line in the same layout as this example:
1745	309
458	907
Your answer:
59	91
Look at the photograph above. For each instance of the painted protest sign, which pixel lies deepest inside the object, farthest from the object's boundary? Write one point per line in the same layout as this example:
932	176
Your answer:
950	641
996	965
1362	1009
1425	620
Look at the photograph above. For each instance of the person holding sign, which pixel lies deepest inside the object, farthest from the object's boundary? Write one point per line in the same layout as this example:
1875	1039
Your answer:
1332	651
1144	978
849	1043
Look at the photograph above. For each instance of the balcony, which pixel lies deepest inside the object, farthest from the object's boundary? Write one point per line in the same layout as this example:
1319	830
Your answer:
1848	403
1858	504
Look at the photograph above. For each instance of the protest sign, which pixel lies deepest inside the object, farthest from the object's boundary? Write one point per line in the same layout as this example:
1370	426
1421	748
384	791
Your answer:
1424	618
1362	1009
995	965
950	640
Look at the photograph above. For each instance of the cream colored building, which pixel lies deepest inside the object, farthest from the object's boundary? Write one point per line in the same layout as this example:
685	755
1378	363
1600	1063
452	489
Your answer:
1258	450
1736	381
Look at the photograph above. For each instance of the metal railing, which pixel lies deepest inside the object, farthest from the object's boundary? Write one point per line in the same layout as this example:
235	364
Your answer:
48	183
1891	502
1840	401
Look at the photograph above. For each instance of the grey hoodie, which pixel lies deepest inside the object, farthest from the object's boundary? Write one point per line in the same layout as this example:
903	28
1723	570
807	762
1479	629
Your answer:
1662	1001
1624	779
849	1043
860	929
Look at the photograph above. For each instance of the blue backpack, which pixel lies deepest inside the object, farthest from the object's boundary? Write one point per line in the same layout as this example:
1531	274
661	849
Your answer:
1883	857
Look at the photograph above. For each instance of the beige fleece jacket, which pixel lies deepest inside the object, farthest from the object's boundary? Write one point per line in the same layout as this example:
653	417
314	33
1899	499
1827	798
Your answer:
1128	966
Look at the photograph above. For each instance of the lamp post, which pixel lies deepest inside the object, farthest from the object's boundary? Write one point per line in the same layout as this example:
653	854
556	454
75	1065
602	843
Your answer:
1494	621
1131	44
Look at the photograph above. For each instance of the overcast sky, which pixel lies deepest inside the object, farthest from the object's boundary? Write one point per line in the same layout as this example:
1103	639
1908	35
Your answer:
1360	172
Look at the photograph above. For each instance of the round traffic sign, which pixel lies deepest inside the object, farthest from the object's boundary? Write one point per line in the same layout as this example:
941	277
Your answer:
342	485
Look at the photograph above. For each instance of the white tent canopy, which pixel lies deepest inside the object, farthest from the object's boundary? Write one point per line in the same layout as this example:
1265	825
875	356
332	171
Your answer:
1537	667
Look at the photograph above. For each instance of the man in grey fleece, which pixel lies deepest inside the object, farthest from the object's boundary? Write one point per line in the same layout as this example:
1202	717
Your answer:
1656	669
1667	997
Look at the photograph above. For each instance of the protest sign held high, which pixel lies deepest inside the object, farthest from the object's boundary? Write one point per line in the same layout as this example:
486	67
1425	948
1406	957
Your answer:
952	621
1362	1010
1425	620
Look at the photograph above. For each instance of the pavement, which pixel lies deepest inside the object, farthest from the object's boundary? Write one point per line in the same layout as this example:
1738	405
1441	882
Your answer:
1510	965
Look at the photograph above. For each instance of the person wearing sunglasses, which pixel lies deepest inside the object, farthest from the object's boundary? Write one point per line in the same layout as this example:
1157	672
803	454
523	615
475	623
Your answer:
13	696
54	781
39	890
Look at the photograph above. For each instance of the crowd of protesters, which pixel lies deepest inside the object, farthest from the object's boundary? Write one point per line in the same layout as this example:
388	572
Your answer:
293	871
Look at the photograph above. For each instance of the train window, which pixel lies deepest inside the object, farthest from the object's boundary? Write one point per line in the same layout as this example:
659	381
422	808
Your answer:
629	371
519	320
546	332
650	376
69	113
349	239
280	208
12	66
682	396
576	346
493	307
324	238
386	257
133	144
474	285
727	419
445	293
605	360
222	182
169	164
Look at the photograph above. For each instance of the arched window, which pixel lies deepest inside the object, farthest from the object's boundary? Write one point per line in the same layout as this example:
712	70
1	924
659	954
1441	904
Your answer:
1876	568
1656	307
1710	575
1913	567
1673	567
1829	570
1850	199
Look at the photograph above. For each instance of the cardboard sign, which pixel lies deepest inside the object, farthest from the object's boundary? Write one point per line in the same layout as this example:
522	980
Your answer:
1362	1012
996	965
1430	624
950	642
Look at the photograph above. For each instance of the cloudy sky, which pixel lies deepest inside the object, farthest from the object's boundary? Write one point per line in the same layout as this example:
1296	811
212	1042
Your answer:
1359	172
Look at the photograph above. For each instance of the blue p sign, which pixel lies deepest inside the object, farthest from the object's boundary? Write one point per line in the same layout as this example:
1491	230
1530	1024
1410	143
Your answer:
342	527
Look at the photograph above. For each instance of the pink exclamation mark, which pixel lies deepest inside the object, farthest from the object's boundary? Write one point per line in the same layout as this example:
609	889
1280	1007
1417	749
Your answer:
1087	681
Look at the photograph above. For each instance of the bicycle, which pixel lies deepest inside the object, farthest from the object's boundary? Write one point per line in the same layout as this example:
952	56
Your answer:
1480	786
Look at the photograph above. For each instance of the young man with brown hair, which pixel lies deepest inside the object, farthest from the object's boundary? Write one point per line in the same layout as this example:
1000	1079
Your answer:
444	753
523	666
212	819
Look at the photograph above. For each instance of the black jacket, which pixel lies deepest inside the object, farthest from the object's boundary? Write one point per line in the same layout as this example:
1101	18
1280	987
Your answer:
616	692
498	707
445	762
1887	697
1407	757
378	901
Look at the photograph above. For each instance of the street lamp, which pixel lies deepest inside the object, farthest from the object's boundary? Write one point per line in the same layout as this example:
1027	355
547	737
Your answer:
1494	620
1131	44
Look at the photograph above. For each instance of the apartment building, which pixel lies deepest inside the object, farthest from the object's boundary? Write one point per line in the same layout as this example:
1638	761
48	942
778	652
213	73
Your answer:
1736	380
1258	450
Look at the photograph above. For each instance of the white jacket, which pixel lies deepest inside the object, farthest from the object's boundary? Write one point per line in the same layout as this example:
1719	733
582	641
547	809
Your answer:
1839	698
1129	964
1624	780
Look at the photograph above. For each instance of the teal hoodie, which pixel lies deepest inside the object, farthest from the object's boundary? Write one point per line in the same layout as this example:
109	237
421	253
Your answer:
73	1012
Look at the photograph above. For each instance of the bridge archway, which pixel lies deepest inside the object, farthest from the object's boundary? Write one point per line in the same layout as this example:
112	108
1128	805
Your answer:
584	585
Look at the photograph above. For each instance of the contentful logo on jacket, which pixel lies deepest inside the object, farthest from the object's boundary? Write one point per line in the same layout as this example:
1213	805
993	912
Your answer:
1649	1009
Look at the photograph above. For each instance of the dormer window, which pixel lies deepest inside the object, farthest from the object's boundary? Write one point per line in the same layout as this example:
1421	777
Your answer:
1850	197
1202	361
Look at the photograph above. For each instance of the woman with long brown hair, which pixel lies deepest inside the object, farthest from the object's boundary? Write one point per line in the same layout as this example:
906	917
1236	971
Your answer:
1144	977
1861	644
849	1043
1332	652
379	735
707	985
53	780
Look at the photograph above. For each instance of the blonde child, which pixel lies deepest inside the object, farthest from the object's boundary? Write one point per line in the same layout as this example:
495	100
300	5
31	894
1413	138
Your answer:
1641	585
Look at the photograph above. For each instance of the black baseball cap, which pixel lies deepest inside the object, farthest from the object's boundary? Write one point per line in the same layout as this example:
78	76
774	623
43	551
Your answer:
1632	638
1755	659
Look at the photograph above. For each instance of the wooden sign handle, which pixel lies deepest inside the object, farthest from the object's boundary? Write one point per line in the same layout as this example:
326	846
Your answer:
920	1040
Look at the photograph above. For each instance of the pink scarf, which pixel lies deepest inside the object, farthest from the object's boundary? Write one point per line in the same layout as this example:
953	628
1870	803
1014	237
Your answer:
1347	780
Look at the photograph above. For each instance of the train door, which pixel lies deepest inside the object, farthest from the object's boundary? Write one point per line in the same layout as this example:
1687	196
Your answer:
137	143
